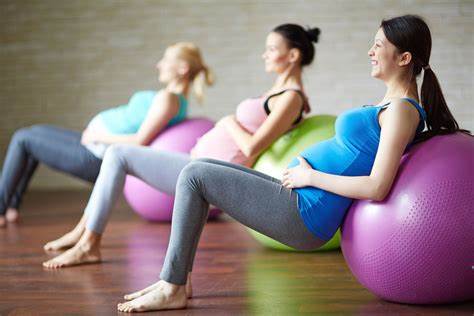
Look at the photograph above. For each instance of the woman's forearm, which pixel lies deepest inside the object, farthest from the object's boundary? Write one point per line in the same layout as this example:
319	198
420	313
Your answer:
131	139
360	187
242	138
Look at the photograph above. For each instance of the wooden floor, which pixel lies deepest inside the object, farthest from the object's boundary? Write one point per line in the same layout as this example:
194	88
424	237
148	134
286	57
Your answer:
233	275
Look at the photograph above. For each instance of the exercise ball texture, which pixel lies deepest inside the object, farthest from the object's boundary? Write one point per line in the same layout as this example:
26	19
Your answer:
417	246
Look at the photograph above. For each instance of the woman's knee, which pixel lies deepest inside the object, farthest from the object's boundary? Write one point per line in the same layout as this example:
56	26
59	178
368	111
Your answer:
193	173
115	153
22	135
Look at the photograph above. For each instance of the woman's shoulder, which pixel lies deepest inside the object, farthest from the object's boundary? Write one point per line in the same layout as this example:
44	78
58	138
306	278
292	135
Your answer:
166	97
404	105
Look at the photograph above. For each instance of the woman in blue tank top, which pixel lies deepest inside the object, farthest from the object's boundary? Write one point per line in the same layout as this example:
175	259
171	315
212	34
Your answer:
80	154
360	162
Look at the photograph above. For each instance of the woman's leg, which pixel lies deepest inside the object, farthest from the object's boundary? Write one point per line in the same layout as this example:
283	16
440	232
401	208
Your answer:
268	207
12	211
159	169
69	239
58	148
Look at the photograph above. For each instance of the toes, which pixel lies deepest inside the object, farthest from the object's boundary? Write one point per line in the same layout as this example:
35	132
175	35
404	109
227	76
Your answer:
129	297
123	307
52	264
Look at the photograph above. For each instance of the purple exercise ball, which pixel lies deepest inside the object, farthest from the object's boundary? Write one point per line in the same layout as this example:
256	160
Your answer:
417	246
147	201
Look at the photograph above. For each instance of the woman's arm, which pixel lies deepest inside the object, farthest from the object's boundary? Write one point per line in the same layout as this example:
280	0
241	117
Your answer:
397	130
165	106
286	109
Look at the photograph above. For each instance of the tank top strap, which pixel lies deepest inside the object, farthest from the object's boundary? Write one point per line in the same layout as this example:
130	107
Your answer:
183	102
418	107
421	111
303	96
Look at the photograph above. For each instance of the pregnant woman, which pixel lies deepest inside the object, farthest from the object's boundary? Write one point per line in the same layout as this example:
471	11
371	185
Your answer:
238	138
137	122
306	208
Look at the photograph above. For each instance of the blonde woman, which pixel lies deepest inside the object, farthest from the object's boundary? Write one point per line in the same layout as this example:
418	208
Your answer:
80	155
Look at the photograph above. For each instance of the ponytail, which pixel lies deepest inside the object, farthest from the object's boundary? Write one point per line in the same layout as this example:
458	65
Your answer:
439	119
199	74
409	33
203	78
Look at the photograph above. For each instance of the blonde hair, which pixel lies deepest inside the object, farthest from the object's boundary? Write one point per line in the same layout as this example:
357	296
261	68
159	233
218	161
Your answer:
199	73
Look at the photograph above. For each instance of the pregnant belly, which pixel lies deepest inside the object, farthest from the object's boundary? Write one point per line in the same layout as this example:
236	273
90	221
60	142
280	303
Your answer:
218	144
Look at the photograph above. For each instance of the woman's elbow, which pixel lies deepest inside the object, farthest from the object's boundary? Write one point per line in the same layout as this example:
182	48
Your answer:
379	193
140	141
249	151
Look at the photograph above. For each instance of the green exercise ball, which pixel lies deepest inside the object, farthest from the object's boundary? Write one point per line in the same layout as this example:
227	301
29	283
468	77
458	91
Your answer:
276	158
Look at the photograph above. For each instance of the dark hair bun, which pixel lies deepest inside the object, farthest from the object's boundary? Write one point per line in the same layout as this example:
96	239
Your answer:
313	34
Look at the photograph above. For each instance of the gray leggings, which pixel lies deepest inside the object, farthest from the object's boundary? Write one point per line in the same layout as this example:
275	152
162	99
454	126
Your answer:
56	147
159	169
254	199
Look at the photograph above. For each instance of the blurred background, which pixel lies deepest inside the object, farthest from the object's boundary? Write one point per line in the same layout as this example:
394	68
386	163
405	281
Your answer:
61	62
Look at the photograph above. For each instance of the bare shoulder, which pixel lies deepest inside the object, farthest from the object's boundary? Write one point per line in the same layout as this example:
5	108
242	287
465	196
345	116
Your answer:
290	98
293	95
401	113
166	98
403	107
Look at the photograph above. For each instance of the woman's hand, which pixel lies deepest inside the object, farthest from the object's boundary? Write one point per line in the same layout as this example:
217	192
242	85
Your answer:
298	176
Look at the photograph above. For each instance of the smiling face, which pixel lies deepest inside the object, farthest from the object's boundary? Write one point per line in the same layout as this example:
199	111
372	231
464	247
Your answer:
385	58
277	56
171	67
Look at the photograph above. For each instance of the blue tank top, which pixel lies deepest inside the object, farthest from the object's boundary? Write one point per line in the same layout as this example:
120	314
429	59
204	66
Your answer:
127	119
351	152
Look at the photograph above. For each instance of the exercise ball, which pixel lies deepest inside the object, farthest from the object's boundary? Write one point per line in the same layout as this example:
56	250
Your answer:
147	201
417	246
276	158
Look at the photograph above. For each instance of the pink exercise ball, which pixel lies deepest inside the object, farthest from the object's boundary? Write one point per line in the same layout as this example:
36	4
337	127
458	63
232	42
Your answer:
417	246
147	201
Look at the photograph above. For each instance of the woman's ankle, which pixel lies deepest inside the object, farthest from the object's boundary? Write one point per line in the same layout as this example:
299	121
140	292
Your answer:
89	240
172	288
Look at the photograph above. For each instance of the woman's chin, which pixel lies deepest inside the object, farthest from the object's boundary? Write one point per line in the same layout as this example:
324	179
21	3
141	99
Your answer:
375	74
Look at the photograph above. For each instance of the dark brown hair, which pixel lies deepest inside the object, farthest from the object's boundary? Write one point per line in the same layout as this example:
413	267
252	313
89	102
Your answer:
298	37
409	33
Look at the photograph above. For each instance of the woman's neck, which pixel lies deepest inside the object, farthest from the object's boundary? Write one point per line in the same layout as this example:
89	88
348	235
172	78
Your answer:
178	87
290	78
401	88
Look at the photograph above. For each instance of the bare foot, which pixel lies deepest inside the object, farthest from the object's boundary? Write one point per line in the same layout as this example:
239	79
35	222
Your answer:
77	255
3	222
12	215
66	241
164	296
70	239
134	295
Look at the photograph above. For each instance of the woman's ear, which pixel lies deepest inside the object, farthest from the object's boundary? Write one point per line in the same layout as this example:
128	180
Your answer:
183	69
294	55
405	59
